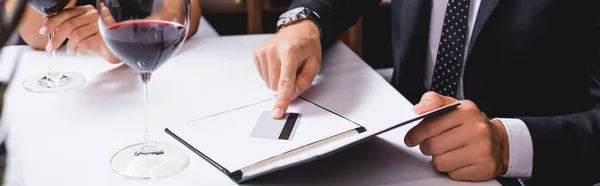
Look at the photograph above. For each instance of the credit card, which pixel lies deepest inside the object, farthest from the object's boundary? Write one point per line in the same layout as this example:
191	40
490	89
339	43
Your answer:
277	129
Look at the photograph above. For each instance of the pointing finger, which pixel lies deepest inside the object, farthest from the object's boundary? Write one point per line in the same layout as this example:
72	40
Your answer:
285	86
273	70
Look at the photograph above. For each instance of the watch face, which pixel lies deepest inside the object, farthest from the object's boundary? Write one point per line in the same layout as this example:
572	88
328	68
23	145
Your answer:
292	12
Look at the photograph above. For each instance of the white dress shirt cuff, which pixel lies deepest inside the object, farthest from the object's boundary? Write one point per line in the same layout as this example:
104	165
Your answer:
520	146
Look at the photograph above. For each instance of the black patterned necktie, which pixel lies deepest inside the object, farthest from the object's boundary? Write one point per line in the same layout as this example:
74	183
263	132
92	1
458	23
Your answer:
451	50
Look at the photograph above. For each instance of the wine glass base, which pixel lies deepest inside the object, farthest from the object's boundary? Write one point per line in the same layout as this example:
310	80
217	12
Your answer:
44	84
149	166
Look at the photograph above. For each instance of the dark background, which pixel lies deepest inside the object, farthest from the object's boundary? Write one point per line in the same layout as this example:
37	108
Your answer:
376	31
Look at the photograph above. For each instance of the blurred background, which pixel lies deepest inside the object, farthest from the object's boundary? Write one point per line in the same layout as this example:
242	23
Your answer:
369	38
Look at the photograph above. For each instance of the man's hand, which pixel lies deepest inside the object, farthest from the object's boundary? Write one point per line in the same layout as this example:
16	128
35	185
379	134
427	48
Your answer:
463	143
80	26
289	61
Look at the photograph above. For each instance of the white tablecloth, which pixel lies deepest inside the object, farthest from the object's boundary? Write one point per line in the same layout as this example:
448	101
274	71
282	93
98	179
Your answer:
67	139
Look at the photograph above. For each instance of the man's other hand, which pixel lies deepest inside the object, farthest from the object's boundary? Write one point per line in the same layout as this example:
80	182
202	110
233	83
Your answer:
463	143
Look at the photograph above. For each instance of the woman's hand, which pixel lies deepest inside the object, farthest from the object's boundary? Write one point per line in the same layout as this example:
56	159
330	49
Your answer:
80	26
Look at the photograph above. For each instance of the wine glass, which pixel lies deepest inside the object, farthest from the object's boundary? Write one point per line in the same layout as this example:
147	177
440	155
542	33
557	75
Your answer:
145	34
53	80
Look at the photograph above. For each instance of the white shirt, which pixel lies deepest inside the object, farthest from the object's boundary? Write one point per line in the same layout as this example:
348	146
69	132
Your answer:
520	143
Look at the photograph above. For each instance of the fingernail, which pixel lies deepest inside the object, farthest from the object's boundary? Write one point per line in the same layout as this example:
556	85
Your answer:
407	142
276	112
69	52
49	47
43	30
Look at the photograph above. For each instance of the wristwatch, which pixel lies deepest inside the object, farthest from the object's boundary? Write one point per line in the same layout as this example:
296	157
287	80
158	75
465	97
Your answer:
296	15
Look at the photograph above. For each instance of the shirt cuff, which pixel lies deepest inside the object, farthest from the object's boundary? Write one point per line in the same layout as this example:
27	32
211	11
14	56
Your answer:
520	146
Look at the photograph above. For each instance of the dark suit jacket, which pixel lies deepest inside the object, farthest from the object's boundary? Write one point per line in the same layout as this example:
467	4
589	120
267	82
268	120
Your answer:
536	60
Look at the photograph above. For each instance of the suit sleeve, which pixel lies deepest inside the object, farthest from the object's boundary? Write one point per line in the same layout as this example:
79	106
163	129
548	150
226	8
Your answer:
336	15
566	149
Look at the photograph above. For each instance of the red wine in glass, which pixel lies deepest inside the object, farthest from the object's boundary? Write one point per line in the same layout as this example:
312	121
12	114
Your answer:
53	80
145	34
144	45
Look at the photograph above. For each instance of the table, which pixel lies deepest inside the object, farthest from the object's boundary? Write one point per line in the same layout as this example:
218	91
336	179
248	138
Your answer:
68	138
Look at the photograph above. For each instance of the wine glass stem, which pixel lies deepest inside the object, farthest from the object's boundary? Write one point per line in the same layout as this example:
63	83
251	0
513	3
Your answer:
52	72
148	147
148	141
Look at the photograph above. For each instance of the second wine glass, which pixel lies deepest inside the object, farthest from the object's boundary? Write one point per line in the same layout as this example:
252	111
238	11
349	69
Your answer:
145	34
53	80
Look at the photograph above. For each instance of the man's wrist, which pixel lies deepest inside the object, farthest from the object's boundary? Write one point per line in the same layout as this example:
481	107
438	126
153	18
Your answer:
307	24
298	14
504	146
520	146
